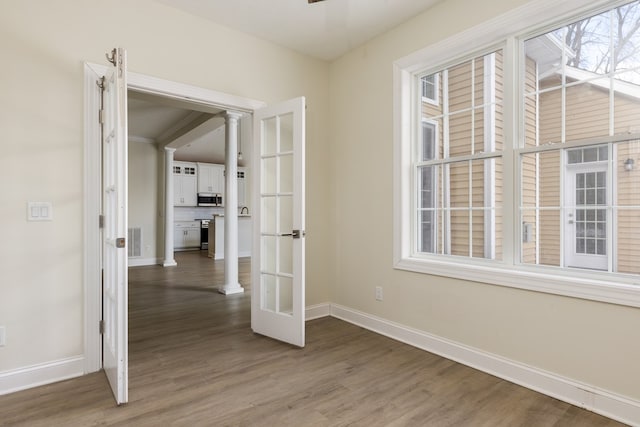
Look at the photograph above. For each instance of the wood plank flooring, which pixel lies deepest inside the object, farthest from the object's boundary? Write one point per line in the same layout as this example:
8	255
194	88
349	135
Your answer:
195	362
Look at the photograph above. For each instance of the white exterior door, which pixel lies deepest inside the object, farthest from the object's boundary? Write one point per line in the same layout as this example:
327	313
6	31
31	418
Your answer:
114	188
278	287
586	216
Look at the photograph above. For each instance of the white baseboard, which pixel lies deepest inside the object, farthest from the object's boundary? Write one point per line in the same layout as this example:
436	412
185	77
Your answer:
317	311
45	373
140	262
600	401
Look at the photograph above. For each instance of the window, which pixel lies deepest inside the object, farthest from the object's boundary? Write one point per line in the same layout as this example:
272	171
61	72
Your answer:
429	88
582	83
465	161
516	163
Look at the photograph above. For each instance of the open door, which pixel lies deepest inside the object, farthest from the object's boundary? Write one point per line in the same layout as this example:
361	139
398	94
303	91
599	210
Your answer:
114	208
278	287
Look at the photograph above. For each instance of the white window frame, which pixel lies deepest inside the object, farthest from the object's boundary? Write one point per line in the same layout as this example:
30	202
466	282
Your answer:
508	32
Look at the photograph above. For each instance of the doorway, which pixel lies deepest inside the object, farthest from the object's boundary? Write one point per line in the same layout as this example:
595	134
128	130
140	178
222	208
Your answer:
587	196
292	322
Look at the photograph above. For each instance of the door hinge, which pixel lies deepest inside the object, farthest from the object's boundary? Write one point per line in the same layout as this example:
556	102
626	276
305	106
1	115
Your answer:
101	117
101	327
101	221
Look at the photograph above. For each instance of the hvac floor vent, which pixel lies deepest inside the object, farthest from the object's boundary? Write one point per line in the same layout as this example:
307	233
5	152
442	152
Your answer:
135	242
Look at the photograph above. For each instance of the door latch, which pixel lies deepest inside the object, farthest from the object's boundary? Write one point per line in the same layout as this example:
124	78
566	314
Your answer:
120	242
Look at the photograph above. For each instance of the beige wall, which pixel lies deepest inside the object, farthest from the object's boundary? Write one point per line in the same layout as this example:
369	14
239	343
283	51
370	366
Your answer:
41	116
590	342
349	172
144	194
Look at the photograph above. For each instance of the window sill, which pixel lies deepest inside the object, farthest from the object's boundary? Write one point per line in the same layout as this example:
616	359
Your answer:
431	101
572	283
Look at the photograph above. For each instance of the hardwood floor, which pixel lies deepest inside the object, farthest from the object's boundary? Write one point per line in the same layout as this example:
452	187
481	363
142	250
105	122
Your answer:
195	362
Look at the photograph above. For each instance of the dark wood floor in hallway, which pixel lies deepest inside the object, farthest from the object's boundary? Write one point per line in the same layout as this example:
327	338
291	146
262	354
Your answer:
195	362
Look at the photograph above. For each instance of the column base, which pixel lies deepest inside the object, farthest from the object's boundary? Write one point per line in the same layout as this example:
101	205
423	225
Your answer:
231	289
171	263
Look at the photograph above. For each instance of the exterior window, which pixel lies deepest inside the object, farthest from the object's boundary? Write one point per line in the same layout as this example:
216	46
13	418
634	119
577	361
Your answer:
429	88
519	164
459	172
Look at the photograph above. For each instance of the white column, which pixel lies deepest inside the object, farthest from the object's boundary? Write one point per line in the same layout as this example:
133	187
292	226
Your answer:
231	284
169	261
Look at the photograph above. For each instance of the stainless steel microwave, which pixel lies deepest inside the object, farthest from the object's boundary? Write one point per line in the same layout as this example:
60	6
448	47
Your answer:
209	199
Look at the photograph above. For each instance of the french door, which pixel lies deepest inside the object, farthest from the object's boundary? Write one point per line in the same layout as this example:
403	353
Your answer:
114	208
278	286
587	195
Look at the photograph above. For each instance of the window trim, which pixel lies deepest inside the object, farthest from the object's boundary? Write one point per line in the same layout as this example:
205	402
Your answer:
507	32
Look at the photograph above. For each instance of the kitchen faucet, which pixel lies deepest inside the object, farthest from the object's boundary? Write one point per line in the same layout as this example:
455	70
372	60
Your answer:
242	210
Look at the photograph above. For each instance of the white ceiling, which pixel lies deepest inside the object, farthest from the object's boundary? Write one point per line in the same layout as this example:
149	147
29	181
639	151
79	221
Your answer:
324	30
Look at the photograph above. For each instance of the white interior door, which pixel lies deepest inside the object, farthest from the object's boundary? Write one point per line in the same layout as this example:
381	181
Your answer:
586	216
114	188
278	287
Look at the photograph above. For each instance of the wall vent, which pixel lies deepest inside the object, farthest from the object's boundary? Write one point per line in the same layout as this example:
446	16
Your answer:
135	242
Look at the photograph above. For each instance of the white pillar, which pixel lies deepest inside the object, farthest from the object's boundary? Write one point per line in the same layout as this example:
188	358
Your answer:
169	261
231	284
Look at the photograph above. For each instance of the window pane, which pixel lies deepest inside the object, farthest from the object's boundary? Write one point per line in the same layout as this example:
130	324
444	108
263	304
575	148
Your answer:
459	184
460	87
550	117
628	185
549	246
628	241
587	110
549	179
460	222
460	134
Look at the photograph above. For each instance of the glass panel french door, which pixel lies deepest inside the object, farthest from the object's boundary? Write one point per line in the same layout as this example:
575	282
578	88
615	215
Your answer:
114	199
586	225
278	276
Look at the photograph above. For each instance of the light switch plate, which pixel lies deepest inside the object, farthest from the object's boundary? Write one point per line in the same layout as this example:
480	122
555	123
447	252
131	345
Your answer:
39	211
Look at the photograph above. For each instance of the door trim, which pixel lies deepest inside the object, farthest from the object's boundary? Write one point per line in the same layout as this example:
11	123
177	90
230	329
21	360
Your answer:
92	181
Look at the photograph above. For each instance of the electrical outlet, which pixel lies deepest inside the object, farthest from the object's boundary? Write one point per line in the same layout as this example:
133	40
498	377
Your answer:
379	293
3	336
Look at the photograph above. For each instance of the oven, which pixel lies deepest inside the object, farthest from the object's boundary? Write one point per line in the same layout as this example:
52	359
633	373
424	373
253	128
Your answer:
204	234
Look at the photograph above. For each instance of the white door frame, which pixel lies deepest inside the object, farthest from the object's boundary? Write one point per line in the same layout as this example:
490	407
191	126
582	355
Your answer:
571	258
92	181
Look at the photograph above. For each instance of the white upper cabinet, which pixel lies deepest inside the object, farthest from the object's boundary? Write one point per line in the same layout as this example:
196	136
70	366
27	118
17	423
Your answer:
184	184
210	178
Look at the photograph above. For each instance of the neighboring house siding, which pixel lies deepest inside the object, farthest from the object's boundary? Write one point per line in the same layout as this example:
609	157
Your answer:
529	163
628	225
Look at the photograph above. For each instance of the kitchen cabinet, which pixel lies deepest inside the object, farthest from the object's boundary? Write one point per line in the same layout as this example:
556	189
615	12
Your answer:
186	235
210	178
216	236
184	184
